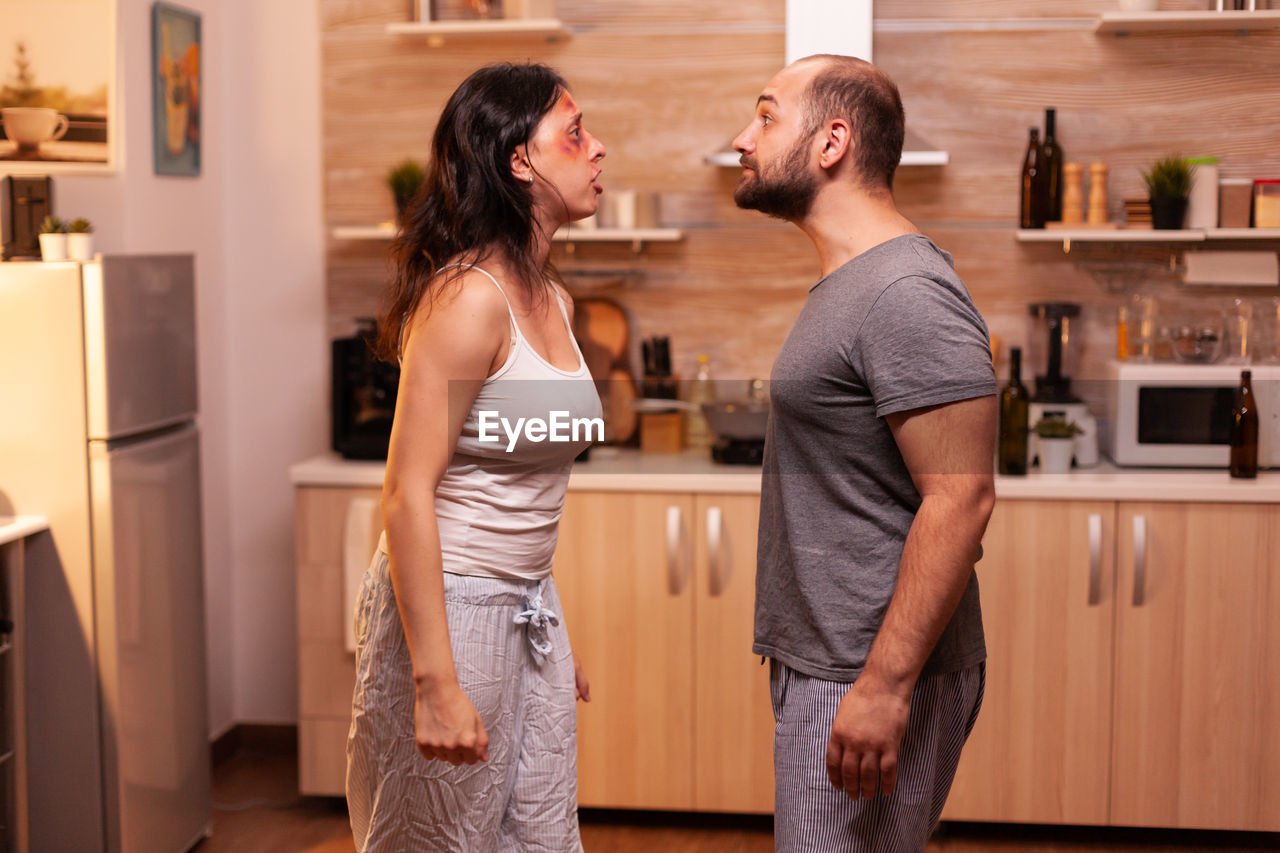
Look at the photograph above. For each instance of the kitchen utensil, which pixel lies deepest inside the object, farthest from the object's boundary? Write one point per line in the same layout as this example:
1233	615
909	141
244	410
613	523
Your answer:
1242	331
1098	193
1057	352
745	421
1196	344
1141	327
1072	194
603	334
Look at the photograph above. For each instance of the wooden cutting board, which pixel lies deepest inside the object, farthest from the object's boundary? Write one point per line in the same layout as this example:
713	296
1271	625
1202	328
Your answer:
603	331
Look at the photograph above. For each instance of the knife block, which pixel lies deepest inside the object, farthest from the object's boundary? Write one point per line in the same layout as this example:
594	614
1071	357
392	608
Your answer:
662	432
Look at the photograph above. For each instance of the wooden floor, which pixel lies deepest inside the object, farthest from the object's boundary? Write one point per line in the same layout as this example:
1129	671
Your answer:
258	810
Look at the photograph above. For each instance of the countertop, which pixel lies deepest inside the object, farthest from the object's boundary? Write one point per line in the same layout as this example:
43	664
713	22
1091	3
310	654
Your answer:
14	528
624	469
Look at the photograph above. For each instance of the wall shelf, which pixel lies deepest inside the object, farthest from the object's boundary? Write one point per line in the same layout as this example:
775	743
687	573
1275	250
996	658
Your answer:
1120	23
637	237
1242	234
436	32
363	232
1108	235
1067	236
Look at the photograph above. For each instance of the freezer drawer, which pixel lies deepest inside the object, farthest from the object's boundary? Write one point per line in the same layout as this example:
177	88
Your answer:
140	343
149	594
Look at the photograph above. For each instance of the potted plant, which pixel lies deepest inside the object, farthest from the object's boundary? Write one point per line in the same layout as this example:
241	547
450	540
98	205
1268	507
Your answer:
404	181
1057	443
80	240
1168	187
53	239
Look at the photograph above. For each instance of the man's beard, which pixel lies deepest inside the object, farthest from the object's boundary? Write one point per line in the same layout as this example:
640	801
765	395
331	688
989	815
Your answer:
788	194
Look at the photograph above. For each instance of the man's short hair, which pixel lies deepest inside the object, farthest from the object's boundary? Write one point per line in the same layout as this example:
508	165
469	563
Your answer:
864	96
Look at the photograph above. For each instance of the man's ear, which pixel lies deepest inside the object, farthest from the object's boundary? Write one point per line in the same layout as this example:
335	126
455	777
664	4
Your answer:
521	168
837	141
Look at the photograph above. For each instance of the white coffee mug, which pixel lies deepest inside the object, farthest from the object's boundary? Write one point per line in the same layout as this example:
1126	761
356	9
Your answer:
29	126
1137	5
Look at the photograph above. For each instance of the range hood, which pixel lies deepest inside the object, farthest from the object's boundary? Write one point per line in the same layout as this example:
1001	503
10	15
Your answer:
842	27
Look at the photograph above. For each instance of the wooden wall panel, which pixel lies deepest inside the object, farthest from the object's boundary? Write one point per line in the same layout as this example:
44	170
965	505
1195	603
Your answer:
664	82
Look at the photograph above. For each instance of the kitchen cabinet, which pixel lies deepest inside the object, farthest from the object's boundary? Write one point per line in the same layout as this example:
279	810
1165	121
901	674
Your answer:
327	522
1100	709
1040	750
18	544
1197	702
1130	673
658	590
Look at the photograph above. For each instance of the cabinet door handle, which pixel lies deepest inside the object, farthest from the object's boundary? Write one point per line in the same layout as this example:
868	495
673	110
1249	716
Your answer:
1095	558
1139	559
715	561
675	525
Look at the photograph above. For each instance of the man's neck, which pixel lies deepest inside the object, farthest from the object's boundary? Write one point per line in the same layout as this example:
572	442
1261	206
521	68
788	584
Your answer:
843	223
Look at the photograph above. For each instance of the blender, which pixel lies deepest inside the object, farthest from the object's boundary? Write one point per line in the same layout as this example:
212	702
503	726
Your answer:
1055	347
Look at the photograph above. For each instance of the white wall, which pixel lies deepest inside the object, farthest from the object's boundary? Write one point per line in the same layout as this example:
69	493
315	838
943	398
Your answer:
277	355
253	220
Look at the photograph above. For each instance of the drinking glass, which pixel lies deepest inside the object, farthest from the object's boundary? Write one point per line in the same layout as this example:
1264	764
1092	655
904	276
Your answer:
1141	327
1241	332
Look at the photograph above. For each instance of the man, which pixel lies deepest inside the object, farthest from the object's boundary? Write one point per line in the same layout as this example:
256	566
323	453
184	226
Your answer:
877	478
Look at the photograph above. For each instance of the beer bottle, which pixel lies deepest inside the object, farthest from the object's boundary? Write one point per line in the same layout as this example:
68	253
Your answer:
1244	430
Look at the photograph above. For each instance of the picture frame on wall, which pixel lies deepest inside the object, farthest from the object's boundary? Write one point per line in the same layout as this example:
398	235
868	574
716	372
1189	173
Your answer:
58	79
176	91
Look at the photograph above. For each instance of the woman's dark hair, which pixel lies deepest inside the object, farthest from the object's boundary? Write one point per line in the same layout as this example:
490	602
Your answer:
470	203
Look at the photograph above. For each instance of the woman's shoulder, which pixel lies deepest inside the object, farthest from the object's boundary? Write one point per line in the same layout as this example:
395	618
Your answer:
463	300
468	288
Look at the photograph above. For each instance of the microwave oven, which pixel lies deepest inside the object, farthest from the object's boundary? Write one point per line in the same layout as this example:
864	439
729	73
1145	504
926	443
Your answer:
1179	415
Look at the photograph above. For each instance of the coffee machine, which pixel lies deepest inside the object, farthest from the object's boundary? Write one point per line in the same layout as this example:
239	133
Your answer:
363	395
1055	346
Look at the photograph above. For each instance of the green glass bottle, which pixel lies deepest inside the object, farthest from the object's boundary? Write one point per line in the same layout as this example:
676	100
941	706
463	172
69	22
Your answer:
1014	414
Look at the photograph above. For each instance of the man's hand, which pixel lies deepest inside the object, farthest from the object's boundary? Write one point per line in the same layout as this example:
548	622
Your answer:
865	737
580	686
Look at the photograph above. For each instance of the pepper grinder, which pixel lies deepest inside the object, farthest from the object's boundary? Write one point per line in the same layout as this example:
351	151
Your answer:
1072	194
1098	193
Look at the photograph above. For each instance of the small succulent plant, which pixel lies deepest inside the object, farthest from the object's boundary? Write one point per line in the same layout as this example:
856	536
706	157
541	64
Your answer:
53	225
404	181
1057	426
80	225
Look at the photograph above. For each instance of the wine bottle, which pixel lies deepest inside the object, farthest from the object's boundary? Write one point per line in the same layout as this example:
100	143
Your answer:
1033	200
1014	412
1244	430
1051	161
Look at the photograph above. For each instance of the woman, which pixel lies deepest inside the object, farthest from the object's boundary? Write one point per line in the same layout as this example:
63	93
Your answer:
463	722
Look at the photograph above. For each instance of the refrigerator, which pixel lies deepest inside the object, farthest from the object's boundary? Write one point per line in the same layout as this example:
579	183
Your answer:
99	433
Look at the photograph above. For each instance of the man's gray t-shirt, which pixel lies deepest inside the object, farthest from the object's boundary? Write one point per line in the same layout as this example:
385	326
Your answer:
892	330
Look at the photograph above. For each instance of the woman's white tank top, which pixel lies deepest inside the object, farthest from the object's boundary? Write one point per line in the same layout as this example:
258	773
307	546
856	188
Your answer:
498	504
